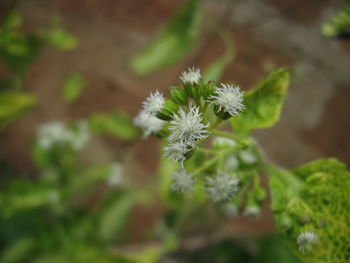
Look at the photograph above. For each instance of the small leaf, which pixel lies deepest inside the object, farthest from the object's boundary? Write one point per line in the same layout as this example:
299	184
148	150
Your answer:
263	104
114	218
338	24
62	39
14	104
216	69
12	21
73	87
19	251
177	38
116	124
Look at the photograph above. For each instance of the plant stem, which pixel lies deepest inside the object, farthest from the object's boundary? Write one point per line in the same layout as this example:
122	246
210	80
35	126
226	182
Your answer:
215	124
206	165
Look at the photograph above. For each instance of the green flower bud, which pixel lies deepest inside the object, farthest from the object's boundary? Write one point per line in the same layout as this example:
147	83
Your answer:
260	194
168	111
179	96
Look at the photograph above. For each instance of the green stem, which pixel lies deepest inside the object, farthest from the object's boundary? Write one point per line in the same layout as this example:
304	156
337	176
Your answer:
215	124
206	165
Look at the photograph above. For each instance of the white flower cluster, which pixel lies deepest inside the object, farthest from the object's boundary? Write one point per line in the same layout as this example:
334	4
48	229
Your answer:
223	186
146	120
183	182
306	240
228	98
56	133
192	76
187	129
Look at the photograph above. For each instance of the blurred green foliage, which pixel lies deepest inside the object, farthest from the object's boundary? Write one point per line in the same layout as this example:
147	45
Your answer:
116	124
337	24
173	43
73	87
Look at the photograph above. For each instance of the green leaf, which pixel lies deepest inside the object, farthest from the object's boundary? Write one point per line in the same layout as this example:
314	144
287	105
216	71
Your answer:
12	21
263	104
19	251
337	24
73	87
272	249
116	124
216	69
19	51
321	206
177	39
14	104
61	39
114	218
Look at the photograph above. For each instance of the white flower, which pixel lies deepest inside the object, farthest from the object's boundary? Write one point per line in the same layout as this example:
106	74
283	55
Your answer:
231	162
182	182
306	240
248	157
154	102
252	211
51	133
177	151
224	142
115	176
192	76
54	133
148	123
228	98
222	187
230	210
81	136
188	127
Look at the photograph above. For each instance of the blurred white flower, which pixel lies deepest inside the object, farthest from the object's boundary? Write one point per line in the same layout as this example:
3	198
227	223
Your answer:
248	157
188	127
81	135
231	162
306	240
154	102
230	209
53	197
182	182
222	187
115	176
148	123
177	151
252	211
223	142
54	133
51	133
192	76
228	98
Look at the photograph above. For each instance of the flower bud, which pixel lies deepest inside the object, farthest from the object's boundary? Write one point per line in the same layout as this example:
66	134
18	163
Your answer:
168	110
178	96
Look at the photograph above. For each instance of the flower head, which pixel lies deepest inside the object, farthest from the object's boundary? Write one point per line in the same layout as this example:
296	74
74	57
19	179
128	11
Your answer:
148	122
154	102
192	76
188	127
222	187
182	182
177	151
228	98
248	157
306	240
